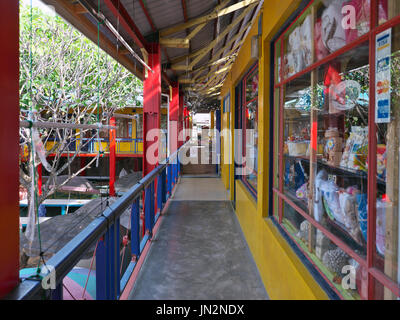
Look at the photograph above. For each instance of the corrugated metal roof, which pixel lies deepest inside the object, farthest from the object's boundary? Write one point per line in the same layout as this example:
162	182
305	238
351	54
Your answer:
166	13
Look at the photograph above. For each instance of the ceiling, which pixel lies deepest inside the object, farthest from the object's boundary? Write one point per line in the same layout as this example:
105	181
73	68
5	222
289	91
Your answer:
199	38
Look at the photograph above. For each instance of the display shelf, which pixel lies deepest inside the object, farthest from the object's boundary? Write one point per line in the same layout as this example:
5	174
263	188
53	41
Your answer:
291	194
341	232
344	172
348	294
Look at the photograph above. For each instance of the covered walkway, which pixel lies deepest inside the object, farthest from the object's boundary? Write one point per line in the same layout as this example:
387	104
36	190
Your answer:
199	252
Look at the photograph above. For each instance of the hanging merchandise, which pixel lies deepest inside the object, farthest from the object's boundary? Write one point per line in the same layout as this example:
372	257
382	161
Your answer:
306	41
320	50
320	178
362	18
333	34
332	78
299	53
344	95
304	103
294	48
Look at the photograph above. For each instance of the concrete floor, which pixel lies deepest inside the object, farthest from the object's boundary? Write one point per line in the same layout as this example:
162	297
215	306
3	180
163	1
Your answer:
199	252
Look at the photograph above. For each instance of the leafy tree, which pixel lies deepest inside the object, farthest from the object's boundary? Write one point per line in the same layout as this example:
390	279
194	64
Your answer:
65	78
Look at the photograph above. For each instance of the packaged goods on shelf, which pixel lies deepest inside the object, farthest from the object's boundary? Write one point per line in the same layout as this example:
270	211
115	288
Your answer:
333	146
357	140
381	161
302	192
298	148
380	225
335	260
320	178
330	195
348	205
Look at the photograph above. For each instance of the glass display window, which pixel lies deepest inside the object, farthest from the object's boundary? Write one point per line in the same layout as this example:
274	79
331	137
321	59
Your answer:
337	140
249	126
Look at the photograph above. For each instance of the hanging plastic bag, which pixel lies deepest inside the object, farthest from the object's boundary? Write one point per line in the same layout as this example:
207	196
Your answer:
30	226
40	150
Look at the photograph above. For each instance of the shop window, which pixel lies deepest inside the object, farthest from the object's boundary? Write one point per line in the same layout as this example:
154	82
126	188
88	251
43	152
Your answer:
227	104
139	127
249	125
122	128
336	150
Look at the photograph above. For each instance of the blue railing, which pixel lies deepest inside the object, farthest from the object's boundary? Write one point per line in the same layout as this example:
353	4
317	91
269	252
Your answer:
104	233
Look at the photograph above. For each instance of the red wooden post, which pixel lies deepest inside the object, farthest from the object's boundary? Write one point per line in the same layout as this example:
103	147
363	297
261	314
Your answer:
151	106
83	164
9	138
112	157
40	183
180	121
174	118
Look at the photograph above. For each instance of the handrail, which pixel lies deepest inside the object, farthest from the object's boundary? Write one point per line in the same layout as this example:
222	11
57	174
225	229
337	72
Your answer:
64	260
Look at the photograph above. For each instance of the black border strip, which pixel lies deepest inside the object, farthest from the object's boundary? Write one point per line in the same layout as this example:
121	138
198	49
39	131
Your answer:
313	271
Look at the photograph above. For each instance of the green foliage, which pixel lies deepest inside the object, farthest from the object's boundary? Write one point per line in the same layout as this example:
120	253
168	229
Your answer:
62	69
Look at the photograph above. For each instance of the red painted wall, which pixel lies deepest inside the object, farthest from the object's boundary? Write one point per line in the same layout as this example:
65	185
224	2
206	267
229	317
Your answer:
9	144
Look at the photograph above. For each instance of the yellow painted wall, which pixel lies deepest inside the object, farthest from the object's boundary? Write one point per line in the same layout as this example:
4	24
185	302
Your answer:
283	274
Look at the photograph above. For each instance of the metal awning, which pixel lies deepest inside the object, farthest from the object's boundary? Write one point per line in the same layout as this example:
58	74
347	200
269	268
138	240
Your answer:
199	38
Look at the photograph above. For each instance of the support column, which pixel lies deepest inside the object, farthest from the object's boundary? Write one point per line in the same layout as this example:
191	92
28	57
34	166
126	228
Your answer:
174	118
151	108
9	141
40	178
186	122
180	121
112	157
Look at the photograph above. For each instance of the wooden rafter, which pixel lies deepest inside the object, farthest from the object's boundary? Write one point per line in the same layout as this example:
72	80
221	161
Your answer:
215	58
213	43
219	11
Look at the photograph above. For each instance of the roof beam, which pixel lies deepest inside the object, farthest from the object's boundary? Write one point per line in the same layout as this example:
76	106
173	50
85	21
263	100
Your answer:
221	36
218	12
119	11
175	43
146	13
181	42
79	9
